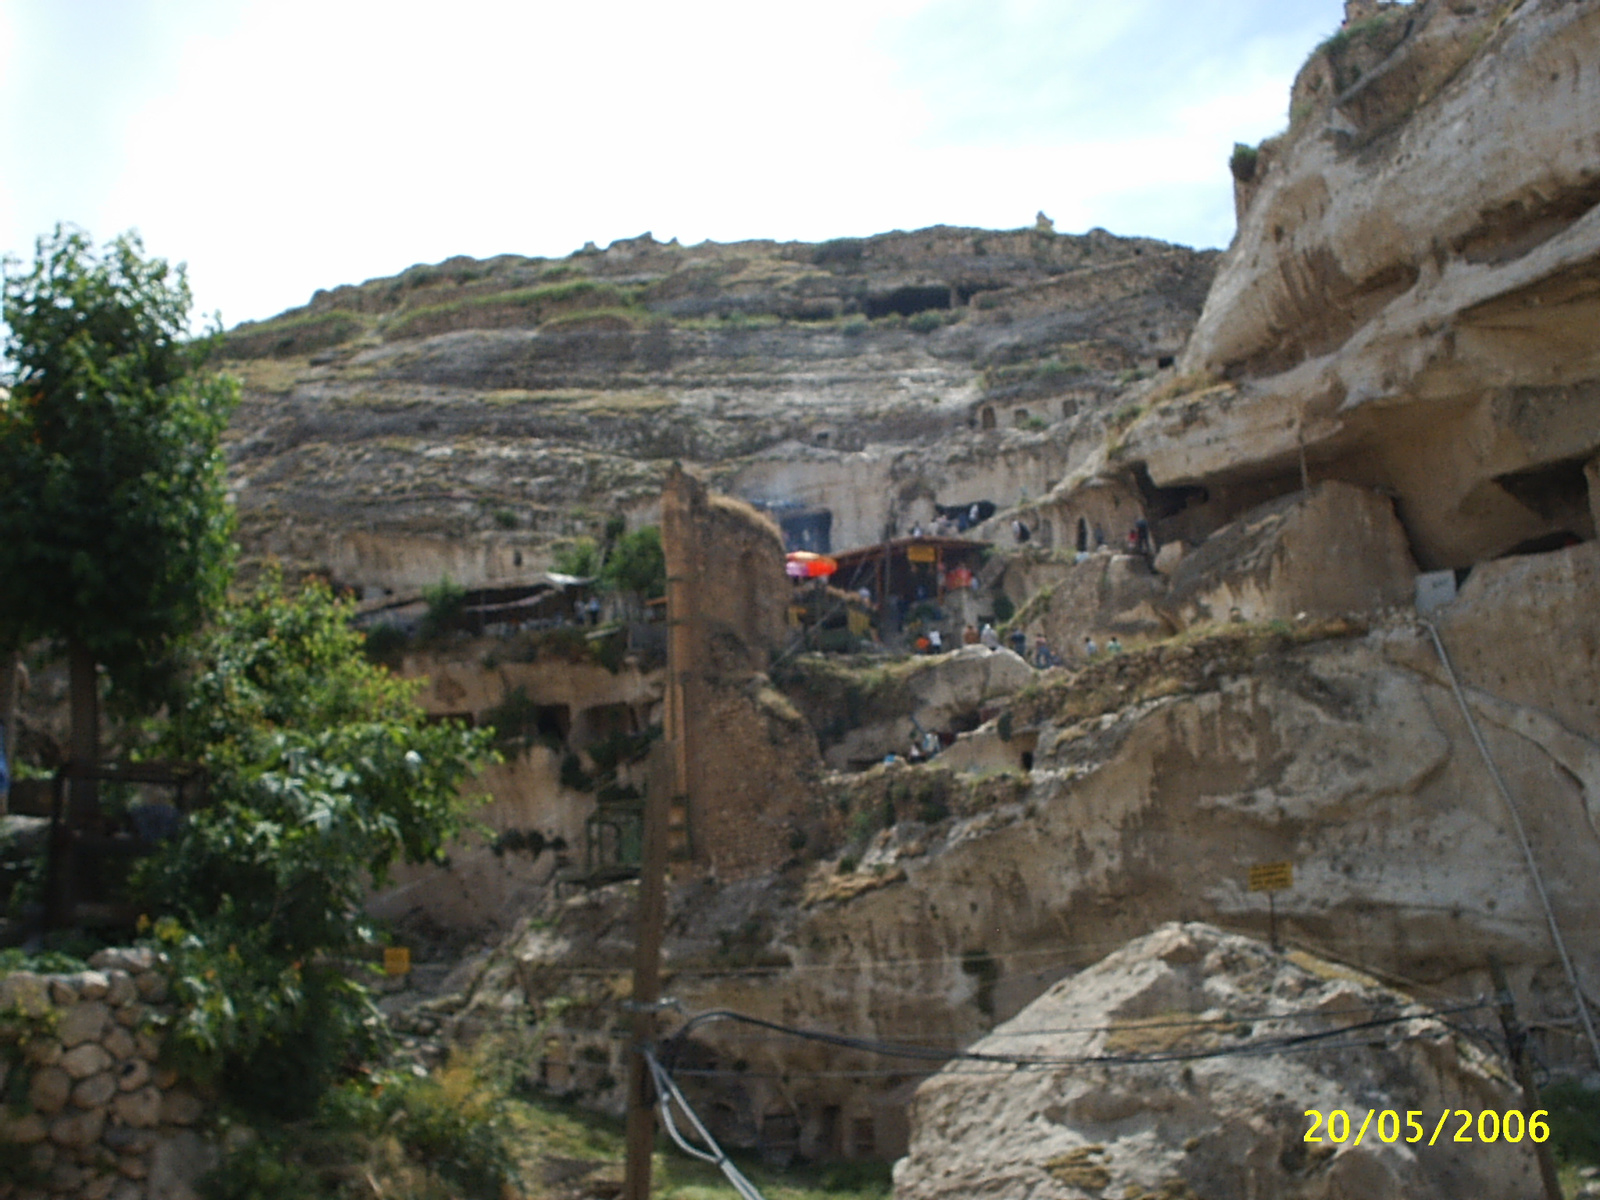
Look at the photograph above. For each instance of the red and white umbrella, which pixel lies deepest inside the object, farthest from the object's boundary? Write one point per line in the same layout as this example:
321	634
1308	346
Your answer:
803	564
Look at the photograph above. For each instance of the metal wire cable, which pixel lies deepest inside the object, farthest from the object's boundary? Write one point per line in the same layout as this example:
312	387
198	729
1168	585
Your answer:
943	1054
1522	839
668	1094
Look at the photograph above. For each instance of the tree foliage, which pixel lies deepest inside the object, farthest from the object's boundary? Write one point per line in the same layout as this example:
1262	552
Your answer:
114	529
323	776
637	564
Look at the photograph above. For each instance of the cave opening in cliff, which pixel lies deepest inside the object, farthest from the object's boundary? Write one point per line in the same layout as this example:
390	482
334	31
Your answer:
907	301
1162	502
986	418
1557	492
1083	535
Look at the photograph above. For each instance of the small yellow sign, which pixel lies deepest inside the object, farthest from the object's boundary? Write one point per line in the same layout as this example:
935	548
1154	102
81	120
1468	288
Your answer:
922	554
396	960
1272	877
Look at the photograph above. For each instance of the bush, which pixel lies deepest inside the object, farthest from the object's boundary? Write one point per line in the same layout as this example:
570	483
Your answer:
1574	1121
580	557
1243	162
439	1136
445	600
385	644
323	775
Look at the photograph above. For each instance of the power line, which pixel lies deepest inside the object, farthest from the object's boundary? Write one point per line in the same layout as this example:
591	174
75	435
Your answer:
945	1055
668	1095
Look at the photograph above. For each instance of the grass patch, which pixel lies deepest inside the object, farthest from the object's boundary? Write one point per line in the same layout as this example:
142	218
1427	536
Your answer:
615	317
520	306
290	337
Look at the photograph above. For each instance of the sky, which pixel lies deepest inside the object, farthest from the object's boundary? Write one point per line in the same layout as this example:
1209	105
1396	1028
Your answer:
281	146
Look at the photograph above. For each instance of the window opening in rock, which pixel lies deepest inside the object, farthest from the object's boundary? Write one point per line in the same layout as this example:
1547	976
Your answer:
604	721
822	436
1163	362
1027	760
1020	417
780	1138
552	722
863	1137
828	1133
986	417
1083	535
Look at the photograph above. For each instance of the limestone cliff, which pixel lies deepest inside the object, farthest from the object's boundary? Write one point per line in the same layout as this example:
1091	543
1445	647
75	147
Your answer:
1409	301
1393	371
460	418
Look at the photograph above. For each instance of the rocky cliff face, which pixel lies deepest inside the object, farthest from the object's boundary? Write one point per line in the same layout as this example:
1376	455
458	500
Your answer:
1405	304
1392	371
460	418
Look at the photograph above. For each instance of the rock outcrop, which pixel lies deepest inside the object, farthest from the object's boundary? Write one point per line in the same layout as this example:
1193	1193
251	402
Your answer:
1158	1080
1403	306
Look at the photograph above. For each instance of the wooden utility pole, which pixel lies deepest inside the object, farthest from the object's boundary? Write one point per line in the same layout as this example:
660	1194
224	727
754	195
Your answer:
669	779
1516	1046
10	685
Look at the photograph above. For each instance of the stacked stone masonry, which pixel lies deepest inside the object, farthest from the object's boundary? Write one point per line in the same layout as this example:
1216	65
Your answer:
102	1118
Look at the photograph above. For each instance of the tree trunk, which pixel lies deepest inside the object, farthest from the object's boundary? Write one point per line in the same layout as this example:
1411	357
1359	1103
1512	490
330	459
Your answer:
85	685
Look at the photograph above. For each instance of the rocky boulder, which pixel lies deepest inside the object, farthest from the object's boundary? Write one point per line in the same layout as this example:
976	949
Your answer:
1164	1073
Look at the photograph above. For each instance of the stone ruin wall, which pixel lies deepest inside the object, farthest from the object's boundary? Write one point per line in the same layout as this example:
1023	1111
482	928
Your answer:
102	1119
750	758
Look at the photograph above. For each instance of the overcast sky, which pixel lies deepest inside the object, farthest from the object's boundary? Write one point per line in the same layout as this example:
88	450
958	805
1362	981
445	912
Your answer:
279	146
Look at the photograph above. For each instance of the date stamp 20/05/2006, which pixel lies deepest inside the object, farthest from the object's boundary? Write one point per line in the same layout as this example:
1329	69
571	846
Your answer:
1485	1127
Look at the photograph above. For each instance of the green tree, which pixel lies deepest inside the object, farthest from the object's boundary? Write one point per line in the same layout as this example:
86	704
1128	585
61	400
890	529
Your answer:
324	774
114	528
579	557
637	564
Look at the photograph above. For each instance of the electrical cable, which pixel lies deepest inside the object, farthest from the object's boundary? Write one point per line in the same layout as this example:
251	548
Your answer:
944	1055
1522	838
668	1094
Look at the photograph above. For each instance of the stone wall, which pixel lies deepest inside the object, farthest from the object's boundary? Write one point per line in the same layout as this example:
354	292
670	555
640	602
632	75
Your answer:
745	758
103	1120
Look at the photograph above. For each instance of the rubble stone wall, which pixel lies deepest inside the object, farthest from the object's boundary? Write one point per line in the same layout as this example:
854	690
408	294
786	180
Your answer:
102	1118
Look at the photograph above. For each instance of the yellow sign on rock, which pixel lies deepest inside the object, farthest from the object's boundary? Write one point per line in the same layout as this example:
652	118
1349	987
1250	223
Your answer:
396	960
1272	877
